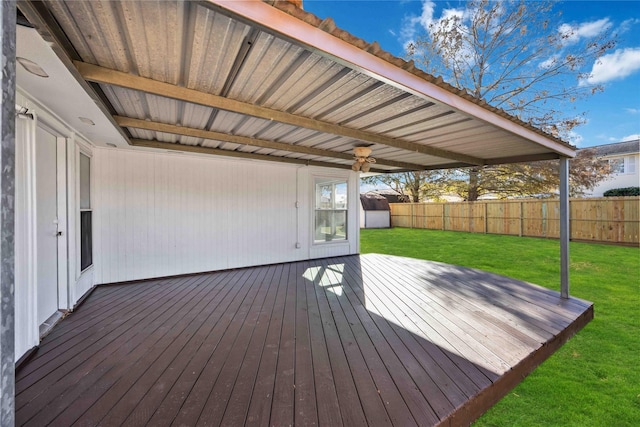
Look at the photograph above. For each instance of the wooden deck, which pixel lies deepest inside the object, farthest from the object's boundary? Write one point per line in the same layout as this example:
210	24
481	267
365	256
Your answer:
358	340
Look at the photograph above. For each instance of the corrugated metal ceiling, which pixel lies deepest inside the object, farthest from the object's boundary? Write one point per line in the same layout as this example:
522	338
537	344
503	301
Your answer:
190	45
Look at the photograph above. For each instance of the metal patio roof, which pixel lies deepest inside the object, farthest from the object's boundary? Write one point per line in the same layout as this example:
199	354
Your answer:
272	82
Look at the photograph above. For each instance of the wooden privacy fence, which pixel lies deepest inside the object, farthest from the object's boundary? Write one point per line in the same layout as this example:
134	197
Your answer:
609	219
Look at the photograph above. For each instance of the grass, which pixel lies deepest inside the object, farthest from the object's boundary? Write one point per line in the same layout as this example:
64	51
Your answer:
594	379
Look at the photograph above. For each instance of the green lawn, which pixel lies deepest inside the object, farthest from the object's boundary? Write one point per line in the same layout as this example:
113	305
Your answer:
594	379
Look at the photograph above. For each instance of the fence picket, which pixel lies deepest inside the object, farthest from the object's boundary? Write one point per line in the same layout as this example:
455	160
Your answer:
608	219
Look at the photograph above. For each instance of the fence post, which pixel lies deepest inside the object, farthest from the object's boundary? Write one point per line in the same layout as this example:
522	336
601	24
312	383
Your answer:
413	216
486	220
521	219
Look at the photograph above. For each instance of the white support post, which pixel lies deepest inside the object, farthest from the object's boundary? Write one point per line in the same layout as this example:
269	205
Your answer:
564	227
7	212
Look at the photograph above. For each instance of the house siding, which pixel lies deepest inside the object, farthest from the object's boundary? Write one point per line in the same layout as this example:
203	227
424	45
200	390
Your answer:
620	180
160	214
72	283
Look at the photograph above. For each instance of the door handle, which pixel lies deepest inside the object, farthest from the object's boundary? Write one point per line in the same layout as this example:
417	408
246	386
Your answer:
59	233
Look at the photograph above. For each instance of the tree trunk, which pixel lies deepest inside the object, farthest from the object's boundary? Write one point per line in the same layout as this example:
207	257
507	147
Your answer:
474	175
414	186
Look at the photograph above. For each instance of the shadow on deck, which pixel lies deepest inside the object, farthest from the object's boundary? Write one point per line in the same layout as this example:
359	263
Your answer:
357	340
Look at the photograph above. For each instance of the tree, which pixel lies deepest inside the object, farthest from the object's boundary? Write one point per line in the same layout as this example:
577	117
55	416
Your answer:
417	185
519	57
535	179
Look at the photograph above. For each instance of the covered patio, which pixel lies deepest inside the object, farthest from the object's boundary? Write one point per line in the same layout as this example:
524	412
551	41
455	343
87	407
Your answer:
168	123
354	340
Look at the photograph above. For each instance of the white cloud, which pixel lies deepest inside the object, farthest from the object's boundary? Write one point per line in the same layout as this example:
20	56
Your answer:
591	29
575	138
573	33
545	65
632	110
412	23
428	22
627	24
631	137
613	66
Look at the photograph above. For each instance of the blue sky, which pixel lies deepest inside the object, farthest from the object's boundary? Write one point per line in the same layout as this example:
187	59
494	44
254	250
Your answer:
612	116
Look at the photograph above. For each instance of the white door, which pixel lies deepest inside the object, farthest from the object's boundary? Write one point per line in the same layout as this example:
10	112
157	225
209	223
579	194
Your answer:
46	225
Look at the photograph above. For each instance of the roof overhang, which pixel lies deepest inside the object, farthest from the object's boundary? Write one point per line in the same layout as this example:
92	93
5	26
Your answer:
247	79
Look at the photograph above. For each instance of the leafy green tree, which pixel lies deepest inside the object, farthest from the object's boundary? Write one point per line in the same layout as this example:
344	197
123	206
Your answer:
417	185
535	179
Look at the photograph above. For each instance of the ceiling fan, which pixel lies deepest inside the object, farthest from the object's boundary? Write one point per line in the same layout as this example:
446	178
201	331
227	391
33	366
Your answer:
362	159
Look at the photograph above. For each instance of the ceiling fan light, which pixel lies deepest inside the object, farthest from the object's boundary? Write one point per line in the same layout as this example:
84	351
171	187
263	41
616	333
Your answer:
365	167
355	166
362	151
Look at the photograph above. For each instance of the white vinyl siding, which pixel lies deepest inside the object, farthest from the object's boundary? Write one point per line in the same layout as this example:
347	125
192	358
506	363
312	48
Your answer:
161	214
625	174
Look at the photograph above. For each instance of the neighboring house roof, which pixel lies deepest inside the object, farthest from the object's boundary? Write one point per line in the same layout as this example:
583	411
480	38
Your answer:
392	196
374	202
251	80
619	148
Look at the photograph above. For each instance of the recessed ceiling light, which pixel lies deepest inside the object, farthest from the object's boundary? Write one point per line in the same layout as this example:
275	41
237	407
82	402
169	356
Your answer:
87	121
32	67
112	145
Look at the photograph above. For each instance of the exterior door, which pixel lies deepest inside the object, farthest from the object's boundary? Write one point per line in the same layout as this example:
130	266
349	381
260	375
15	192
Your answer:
46	225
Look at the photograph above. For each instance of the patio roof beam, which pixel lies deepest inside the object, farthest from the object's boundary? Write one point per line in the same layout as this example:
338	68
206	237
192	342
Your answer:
280	23
244	140
149	143
523	159
108	76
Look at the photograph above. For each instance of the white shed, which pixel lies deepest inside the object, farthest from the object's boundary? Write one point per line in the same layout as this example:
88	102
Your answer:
374	211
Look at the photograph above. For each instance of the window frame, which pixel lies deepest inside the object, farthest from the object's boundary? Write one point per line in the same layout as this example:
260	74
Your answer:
83	209
617	161
334	181
629	164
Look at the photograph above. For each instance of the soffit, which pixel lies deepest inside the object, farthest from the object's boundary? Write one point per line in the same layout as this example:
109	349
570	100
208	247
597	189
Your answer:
311	107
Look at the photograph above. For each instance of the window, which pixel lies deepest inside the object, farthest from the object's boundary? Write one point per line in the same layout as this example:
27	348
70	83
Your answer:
86	238
623	165
631	164
617	165
330	210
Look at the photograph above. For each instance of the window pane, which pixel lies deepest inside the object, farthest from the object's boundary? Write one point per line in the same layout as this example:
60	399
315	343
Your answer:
85	183
330	225
324	196
617	165
341	195
631	164
86	250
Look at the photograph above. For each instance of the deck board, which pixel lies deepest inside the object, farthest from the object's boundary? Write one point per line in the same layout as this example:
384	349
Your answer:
99	354
354	340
